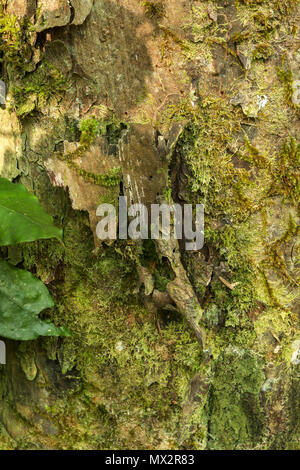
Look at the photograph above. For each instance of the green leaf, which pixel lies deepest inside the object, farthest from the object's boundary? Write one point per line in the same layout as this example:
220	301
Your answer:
22	218
22	298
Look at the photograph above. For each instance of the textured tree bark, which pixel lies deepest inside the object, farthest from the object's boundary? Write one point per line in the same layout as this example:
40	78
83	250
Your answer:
197	101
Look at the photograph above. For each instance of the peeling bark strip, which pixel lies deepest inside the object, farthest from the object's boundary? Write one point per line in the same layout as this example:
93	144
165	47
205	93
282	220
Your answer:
182	294
180	289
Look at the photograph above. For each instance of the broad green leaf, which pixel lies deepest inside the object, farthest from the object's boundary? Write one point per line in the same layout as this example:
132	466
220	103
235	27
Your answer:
22	218
22	298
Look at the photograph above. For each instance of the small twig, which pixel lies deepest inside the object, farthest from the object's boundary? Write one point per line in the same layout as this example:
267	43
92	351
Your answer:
227	284
274	335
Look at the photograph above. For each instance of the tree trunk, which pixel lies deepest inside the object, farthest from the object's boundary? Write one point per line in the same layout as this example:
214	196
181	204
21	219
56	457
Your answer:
191	101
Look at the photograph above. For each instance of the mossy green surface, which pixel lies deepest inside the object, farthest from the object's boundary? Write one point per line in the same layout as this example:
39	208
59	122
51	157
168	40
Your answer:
32	82
237	418
134	378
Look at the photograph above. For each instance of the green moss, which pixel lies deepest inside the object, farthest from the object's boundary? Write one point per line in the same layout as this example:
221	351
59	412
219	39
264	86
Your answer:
293	432
236	416
14	36
154	9
282	169
109	179
287	78
90	128
233	193
283	7
263	50
6	441
263	20
135	379
36	88
286	171
32	85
